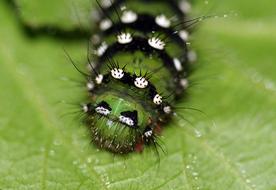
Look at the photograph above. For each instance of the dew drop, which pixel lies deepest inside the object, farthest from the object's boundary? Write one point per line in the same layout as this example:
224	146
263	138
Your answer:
89	160
195	174
198	134
52	152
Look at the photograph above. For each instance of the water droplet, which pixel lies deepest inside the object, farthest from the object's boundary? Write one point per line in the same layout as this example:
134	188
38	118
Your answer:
52	152
89	160
107	183
198	134
195	174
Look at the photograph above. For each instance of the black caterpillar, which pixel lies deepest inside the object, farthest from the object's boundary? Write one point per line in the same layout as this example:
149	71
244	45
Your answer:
139	69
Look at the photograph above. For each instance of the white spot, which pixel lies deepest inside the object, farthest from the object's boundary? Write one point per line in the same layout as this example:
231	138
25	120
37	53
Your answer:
85	108
105	24
184	83
101	110
141	82
167	109
157	99
148	134
184	35
192	56
177	64
156	43
106	3
90	85
185	6
101	50
129	17
117	73
124	38
99	79
163	21
126	120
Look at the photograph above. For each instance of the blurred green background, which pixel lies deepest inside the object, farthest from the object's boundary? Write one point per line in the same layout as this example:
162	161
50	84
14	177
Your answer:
231	147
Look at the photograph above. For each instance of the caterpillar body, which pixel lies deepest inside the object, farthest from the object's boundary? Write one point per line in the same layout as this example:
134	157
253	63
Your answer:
140	67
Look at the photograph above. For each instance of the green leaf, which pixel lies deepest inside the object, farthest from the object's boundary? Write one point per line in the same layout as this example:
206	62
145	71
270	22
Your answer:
64	14
231	147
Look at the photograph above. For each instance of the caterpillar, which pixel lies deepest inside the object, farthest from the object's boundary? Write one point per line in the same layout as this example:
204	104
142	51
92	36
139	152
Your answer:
138	69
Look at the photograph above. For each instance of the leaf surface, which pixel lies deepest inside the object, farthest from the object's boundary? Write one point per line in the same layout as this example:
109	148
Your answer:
231	146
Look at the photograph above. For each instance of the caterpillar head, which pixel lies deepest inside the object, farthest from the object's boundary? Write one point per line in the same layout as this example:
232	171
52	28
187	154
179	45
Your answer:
117	123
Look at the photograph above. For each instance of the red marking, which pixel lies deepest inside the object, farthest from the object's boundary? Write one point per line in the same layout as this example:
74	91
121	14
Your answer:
158	129
139	147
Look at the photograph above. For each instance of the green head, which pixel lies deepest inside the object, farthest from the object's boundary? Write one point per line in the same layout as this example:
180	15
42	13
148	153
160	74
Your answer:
118	122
